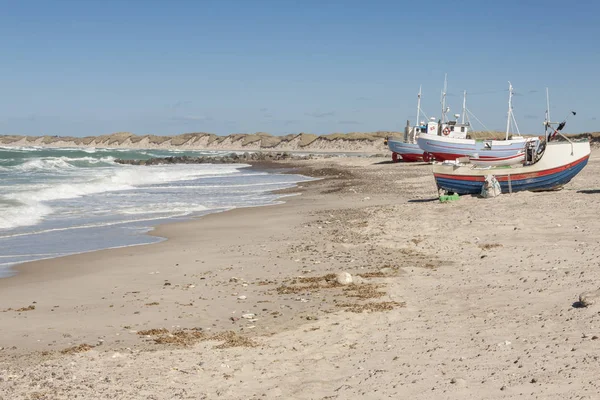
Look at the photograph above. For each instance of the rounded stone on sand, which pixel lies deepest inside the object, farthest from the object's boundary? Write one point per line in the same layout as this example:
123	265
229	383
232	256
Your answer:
587	299
343	278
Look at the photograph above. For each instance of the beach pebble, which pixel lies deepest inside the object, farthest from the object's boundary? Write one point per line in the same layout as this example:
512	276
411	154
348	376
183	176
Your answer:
343	278
587	299
458	381
248	316
241	297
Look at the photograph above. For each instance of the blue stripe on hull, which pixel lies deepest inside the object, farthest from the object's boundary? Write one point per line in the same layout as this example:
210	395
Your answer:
404	148
432	146
546	182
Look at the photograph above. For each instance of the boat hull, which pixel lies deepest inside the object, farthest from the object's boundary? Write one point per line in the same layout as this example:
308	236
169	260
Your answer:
518	158
449	149
556	168
408	152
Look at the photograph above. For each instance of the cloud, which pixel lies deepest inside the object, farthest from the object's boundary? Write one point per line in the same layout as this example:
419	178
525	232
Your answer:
264	109
594	118
530	116
347	122
321	114
268	115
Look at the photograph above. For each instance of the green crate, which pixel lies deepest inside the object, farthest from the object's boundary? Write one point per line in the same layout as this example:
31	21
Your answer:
449	197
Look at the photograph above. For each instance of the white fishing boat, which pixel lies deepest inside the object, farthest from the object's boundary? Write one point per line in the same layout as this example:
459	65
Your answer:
406	149
547	165
448	146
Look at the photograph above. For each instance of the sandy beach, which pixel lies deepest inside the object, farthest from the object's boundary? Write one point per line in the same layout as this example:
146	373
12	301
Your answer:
470	299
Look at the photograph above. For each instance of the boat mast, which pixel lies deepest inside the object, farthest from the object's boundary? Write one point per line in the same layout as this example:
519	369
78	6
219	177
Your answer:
464	110
509	118
547	121
418	105
547	106
444	98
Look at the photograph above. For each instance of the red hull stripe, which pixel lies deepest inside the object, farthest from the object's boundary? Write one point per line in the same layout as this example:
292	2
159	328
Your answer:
514	177
447	156
497	158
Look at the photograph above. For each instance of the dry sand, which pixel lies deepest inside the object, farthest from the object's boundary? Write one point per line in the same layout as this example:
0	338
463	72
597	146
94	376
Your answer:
465	300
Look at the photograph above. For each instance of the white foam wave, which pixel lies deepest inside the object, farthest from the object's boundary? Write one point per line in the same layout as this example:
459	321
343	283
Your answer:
43	164
23	214
243	185
21	148
105	224
172	208
119	179
55	164
91	160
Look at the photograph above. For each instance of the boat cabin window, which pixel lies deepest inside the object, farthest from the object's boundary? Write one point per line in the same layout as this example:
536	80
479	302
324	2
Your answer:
462	128
452	128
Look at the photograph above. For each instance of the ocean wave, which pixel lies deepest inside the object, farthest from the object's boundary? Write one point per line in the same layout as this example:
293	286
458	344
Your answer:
242	185
43	164
55	164
21	148
119	179
14	214
179	209
111	223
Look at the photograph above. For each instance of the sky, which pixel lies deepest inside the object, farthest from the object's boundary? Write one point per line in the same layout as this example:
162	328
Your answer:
81	68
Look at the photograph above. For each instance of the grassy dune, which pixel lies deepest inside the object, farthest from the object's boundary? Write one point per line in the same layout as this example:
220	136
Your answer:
241	140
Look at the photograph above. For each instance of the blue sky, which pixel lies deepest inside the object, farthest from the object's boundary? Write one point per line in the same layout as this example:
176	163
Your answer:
281	66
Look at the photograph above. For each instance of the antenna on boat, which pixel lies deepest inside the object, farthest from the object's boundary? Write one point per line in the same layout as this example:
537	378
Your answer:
418	106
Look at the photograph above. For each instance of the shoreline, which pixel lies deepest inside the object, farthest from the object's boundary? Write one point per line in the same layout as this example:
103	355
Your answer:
92	264
261	166
467	299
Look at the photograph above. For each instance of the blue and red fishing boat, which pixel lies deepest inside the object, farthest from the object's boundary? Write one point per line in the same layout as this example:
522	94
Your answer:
547	165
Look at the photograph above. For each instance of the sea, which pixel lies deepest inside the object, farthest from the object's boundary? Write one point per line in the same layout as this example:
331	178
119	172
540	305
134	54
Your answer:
56	202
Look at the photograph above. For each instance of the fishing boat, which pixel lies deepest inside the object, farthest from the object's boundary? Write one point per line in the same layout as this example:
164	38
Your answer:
406	148
547	165
443	145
